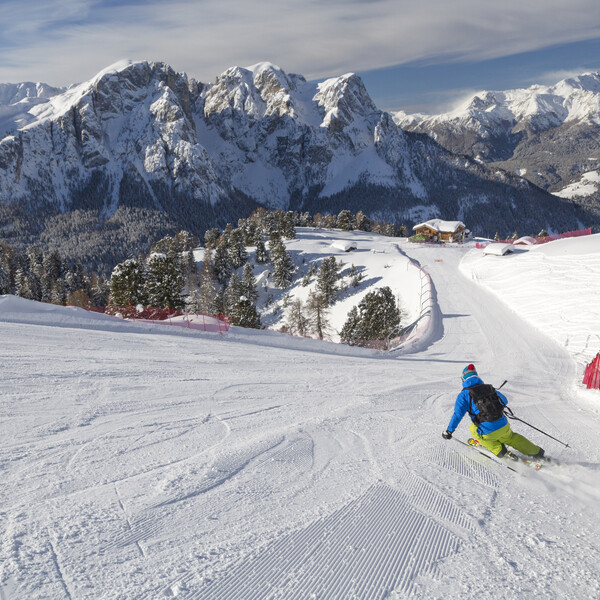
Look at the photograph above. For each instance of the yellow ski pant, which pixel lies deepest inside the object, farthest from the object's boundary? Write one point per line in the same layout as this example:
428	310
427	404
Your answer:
504	436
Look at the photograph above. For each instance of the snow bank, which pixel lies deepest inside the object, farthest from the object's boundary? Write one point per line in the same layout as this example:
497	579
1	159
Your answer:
551	290
498	249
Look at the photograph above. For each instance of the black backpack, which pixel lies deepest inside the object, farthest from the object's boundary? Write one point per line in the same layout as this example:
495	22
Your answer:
487	401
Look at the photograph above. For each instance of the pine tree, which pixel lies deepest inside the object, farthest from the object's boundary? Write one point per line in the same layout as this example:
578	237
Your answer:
297	322
185	241
350	330
98	290
222	262
327	279
128	283
244	314
316	308
211	237
165	281
345	220
207	302
236	249
261	251
363	223
4	280
52	269
75	278
377	317
286	226
233	293
58	294
25	284
249	283
283	267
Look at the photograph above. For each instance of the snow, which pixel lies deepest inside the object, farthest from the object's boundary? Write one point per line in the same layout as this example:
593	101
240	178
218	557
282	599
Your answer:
343	246
526	240
441	225
379	259
143	461
586	186
545	286
498	249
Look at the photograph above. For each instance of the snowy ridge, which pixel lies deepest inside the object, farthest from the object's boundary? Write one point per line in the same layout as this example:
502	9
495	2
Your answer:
538	107
547	134
140	135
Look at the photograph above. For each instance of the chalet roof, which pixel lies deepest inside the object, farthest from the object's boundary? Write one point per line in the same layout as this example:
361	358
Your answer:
441	226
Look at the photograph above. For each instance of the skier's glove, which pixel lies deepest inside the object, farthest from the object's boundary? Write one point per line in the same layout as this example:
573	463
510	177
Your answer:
447	435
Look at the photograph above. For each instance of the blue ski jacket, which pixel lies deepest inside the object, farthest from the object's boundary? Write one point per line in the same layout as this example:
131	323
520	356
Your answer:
462	404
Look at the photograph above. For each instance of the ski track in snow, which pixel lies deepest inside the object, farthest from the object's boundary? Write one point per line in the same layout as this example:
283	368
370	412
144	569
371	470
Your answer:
142	465
375	544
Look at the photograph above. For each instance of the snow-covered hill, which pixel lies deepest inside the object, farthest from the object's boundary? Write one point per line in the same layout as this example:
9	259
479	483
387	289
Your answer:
141	461
142	137
378	260
548	134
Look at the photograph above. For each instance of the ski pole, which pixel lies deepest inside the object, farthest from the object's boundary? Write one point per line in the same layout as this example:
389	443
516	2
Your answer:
502	384
512	416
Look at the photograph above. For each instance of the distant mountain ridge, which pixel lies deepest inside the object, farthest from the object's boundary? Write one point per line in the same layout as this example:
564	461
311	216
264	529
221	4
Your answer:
141	150
548	134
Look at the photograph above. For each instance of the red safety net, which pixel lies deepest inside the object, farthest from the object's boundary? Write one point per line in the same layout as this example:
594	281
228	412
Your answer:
556	236
167	316
591	375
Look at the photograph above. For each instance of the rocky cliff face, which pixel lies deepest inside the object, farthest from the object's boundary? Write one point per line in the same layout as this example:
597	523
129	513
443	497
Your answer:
141	137
548	134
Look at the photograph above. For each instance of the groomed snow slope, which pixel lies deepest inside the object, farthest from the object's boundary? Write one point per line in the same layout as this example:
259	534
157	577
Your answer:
145	462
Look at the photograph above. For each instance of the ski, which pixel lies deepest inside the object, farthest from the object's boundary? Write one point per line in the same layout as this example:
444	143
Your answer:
532	463
498	462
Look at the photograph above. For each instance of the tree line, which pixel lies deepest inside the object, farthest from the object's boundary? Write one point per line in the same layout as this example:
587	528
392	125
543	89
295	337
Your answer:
167	277
46	276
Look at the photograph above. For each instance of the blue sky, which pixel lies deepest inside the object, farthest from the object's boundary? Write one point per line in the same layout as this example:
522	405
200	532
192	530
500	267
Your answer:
417	56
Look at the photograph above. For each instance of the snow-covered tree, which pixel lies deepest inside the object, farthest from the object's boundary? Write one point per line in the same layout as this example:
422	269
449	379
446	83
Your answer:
233	293
211	237
222	262
363	223
345	220
165	281
261	251
350	331
377	317
236	249
244	314
128	283
283	267
207	296
249	283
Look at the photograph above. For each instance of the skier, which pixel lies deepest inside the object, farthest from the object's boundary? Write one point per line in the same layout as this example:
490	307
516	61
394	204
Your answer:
490	426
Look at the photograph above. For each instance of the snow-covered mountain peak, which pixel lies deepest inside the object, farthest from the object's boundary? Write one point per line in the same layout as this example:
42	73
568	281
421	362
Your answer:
343	99
537	107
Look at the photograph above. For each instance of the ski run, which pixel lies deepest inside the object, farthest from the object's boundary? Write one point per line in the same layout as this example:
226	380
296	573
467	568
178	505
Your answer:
141	461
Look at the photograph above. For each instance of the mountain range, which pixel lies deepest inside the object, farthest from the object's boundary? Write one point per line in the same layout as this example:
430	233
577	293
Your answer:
101	169
548	134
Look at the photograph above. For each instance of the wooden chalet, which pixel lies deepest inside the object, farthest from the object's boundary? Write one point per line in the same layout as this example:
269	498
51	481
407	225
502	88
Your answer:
437	230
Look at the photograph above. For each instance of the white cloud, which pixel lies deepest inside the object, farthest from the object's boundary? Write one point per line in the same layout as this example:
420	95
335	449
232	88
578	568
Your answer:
70	40
551	77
